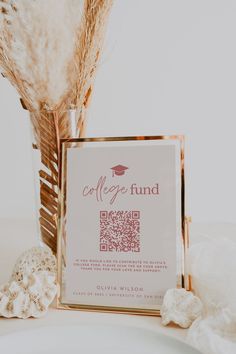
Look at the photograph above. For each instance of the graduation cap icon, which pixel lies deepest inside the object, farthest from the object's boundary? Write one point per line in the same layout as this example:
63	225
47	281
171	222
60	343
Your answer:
118	170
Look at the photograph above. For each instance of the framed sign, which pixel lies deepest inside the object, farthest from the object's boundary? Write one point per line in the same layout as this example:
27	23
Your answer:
122	224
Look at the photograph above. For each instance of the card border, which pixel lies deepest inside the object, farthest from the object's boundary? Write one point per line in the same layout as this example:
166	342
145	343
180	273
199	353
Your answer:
183	278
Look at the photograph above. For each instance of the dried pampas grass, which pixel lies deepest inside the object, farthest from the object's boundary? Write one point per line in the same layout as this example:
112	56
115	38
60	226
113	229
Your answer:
88	46
49	50
37	42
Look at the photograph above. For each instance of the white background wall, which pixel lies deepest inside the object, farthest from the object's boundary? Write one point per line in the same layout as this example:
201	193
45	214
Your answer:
168	67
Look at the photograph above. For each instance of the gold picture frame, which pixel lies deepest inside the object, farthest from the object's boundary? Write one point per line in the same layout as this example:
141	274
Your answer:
182	239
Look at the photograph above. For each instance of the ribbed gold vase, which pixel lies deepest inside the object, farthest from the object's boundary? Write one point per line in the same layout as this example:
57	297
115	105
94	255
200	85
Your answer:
47	128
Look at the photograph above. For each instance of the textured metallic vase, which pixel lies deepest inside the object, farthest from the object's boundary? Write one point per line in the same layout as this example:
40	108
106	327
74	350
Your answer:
48	127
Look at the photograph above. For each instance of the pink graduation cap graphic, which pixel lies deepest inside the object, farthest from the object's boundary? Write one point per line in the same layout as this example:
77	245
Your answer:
118	170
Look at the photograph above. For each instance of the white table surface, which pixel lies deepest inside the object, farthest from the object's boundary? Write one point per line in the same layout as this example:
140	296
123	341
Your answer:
18	235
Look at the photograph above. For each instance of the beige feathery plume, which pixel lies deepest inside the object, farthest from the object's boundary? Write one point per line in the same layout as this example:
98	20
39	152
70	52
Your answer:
88	48
49	51
37	41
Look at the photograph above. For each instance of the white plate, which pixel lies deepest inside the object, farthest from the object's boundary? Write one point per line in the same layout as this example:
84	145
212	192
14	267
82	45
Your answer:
91	339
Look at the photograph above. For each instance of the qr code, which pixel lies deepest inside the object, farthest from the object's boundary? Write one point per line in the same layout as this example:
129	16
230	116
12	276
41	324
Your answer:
120	231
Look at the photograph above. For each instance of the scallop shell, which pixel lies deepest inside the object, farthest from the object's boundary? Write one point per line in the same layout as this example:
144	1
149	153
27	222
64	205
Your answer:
32	286
29	297
180	307
36	259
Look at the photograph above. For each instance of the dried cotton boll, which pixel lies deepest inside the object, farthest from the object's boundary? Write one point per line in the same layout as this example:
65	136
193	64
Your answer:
180	307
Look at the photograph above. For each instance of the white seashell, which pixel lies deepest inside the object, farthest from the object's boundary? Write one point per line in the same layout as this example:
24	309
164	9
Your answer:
29	297
32	287
180	307
36	259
